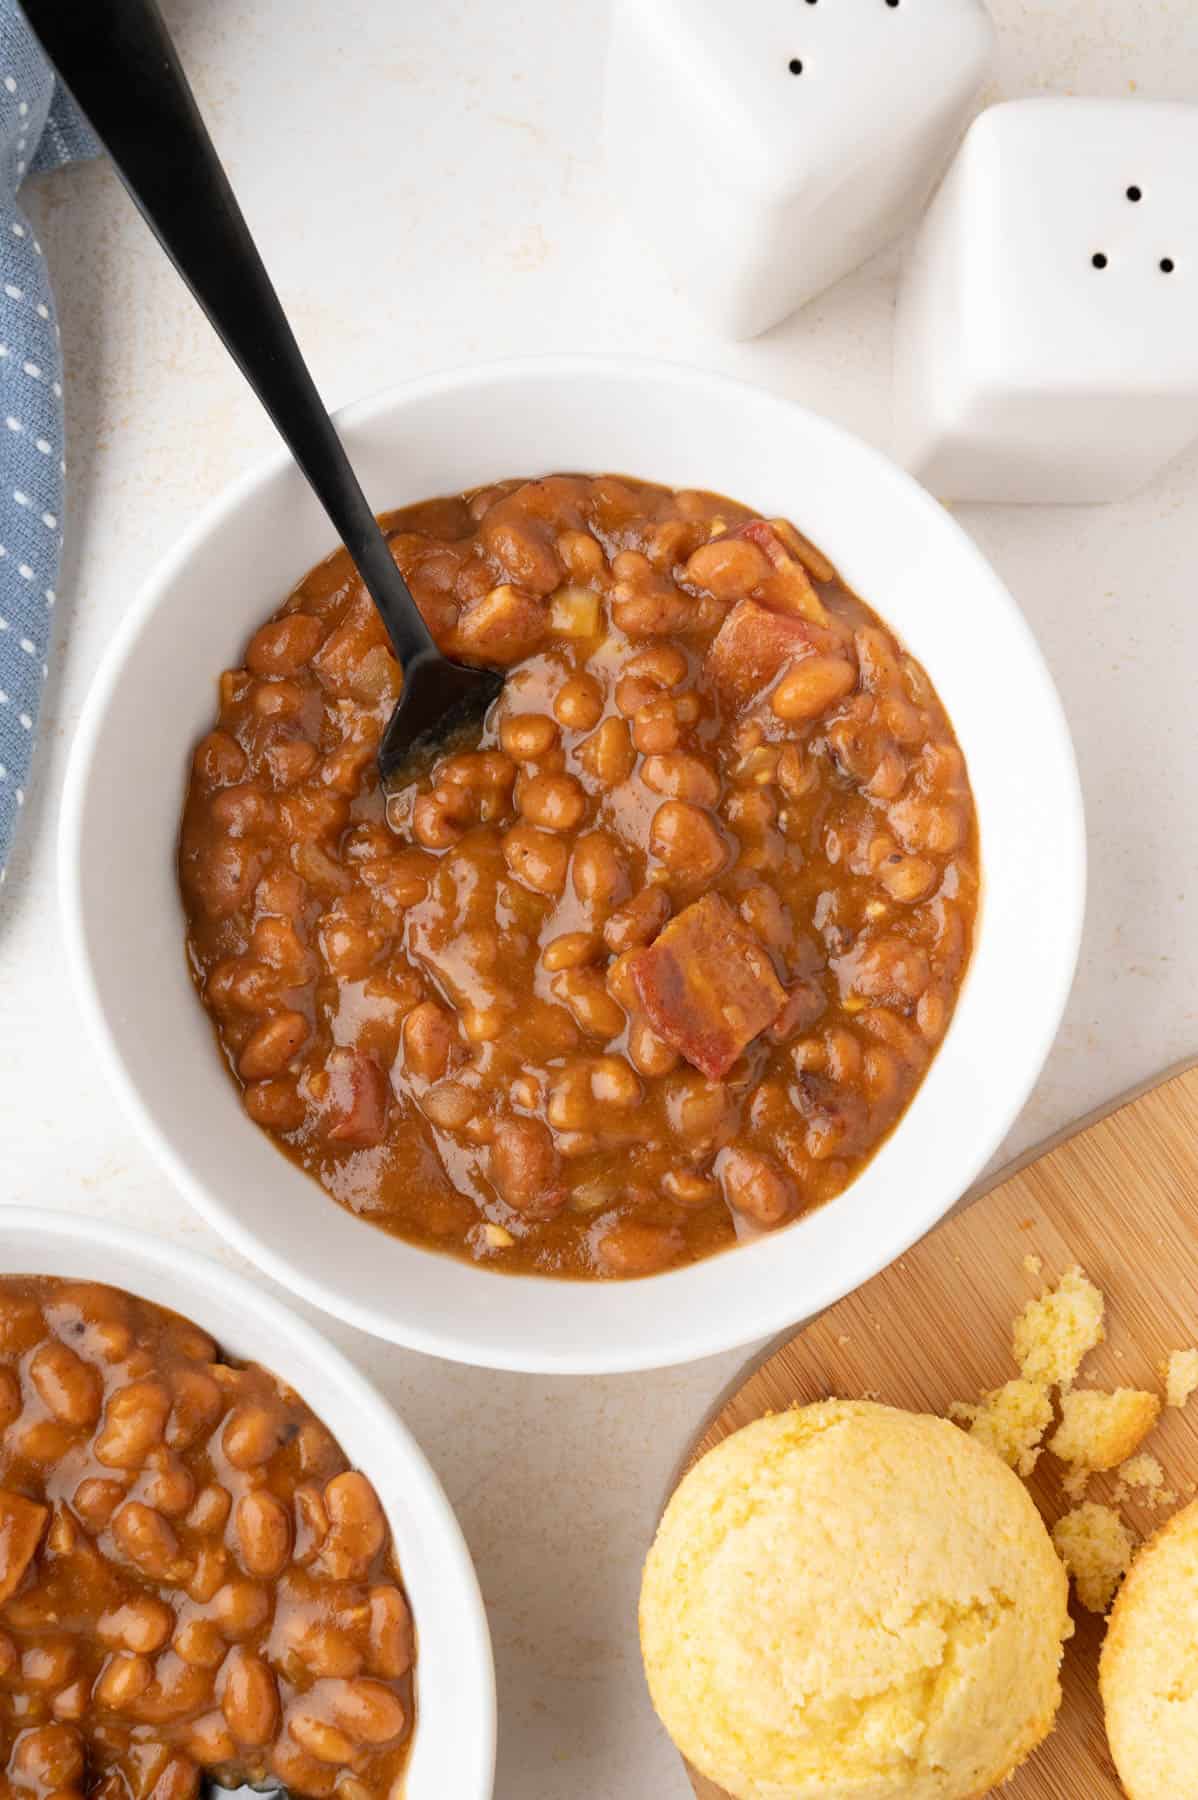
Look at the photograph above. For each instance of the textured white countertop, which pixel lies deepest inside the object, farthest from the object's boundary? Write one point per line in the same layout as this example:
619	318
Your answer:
424	184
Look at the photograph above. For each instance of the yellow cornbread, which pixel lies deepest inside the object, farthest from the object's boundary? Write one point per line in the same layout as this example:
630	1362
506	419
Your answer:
1099	1430
1181	1376
1143	1476
1053	1334
1095	1546
854	1603
1149	1669
1010	1420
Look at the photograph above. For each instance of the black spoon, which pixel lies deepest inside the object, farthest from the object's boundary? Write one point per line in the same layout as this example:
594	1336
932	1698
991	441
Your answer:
118	60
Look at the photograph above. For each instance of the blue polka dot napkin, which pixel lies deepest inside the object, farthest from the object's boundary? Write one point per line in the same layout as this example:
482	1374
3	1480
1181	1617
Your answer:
40	128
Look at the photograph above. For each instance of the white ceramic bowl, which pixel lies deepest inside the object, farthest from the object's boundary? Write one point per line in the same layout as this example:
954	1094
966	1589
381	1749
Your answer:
453	1746
156	693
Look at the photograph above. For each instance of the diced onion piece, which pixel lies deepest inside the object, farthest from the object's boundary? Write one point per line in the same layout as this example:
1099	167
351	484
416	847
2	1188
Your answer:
574	612
591	1196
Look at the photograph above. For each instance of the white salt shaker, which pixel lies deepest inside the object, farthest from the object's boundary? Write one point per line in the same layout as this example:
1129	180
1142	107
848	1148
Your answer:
766	147
1046	343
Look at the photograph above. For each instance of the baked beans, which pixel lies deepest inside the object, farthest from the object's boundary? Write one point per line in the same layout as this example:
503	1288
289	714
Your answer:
654	959
193	1583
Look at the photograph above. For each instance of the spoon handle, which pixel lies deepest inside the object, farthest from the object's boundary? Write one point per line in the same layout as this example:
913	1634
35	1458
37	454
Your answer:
118	60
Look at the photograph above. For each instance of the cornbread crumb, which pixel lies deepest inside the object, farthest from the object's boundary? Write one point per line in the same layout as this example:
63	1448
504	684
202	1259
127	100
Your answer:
847	1599
1011	1420
1033	1265
1100	1430
1096	1547
1142	1471
1053	1334
1144	1476
1075	1481
1181	1377
1149	1660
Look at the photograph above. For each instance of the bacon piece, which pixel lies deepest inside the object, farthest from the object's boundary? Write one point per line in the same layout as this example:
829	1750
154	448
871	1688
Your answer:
356	1103
789	588
22	1522
707	985
753	645
812	559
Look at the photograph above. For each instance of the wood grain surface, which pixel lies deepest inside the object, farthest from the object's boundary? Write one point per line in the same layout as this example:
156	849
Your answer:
1119	1195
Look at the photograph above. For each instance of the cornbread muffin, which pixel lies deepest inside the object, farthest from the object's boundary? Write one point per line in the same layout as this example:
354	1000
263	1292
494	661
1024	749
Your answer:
1095	1546
1149	1670
1053	1334
854	1603
1100	1430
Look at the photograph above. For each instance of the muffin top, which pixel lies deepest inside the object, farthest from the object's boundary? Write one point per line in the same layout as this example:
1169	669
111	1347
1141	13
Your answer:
1149	1670
848	1600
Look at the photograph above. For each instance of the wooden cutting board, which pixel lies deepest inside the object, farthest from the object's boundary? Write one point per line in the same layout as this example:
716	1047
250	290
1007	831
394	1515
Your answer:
1117	1194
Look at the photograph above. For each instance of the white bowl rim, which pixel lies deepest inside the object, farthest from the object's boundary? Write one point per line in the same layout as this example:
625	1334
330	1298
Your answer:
146	1251
692	1336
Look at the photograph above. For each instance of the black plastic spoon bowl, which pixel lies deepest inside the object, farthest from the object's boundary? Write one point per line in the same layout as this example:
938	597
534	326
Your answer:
118	60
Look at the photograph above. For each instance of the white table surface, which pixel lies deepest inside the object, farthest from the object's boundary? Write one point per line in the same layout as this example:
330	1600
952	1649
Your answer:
424	184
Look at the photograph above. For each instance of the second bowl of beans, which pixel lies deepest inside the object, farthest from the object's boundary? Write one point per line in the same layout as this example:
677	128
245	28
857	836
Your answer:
221	1556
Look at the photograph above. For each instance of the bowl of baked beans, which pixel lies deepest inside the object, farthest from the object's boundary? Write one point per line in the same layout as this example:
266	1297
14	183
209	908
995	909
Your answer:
222	1557
679	995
